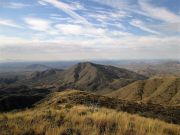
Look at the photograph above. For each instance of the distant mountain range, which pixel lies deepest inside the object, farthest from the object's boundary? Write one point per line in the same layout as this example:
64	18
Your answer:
105	80
145	67
37	67
151	69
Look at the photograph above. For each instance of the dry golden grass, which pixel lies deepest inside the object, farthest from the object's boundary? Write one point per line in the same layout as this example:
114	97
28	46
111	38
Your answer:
66	119
159	90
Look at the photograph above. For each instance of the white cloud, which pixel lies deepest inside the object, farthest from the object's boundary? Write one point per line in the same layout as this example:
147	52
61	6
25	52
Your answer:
167	28
125	5
73	29
14	5
128	41
10	23
77	6
37	23
145	9
79	36
61	29
70	29
139	24
115	3
109	16
86	27
15	41
67	9
41	2
119	33
111	48
158	13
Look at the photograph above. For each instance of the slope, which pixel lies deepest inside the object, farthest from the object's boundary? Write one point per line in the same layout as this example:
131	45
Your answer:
74	97
67	119
84	76
160	90
94	77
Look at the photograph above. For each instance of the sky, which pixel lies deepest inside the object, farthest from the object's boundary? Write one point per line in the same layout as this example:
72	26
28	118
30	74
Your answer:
51	30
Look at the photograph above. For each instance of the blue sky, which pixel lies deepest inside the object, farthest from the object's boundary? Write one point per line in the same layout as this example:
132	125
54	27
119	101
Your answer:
89	29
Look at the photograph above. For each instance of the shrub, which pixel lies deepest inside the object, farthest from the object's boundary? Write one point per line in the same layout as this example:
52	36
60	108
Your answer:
68	106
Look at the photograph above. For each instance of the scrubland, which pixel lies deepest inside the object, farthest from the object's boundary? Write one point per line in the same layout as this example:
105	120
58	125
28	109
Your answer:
68	119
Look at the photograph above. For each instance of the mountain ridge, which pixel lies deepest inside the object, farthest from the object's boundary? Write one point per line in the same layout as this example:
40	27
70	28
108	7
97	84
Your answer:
92	77
76	97
160	90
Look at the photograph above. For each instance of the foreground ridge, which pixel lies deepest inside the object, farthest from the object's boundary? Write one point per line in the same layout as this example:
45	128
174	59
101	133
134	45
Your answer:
166	113
62	113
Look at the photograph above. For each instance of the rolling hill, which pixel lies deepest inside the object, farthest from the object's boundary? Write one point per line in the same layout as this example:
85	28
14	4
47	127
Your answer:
160	90
75	112
76	97
47	76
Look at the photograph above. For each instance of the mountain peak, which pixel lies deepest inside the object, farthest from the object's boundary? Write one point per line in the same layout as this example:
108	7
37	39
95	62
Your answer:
83	64
90	76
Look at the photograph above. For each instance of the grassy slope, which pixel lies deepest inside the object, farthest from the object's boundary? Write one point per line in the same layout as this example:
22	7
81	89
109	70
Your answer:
79	113
66	119
168	113
161	90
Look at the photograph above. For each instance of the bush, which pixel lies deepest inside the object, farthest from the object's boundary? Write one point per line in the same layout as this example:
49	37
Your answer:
68	106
